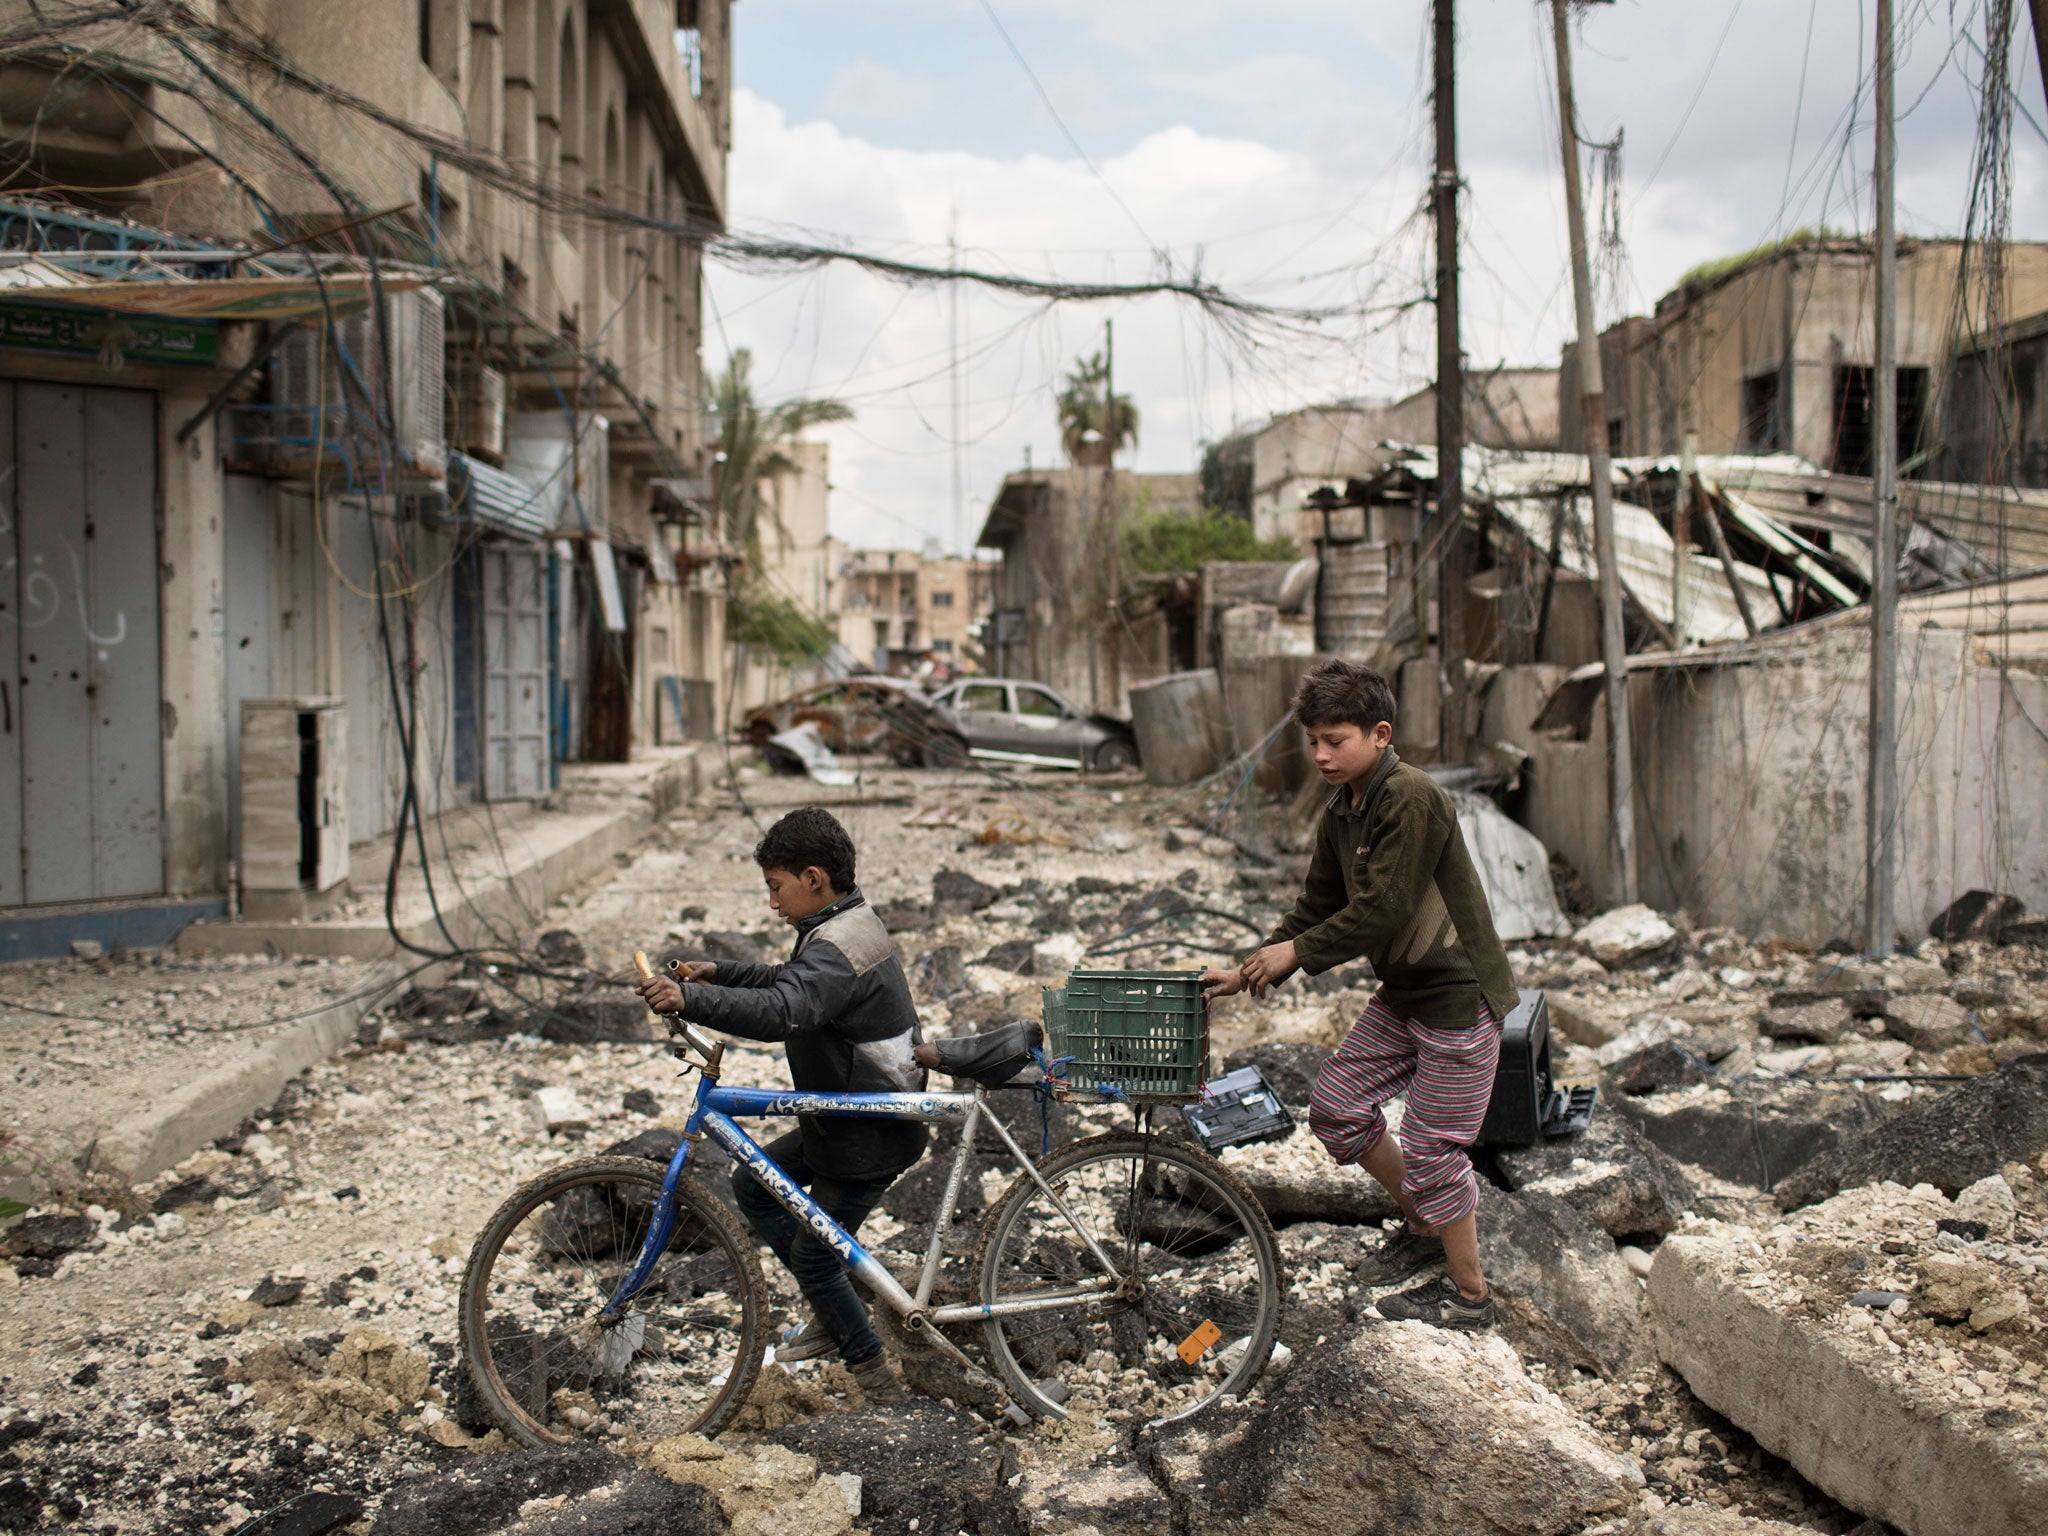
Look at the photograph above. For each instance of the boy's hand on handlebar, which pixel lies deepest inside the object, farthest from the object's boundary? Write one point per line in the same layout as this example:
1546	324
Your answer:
662	994
1220	984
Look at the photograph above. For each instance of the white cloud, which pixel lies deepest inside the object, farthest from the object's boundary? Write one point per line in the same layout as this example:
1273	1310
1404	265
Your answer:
1305	197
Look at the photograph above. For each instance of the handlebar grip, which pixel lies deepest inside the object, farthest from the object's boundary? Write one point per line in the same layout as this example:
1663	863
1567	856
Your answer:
640	964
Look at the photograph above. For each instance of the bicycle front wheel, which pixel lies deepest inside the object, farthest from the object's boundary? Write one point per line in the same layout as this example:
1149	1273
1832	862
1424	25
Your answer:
1200	1289
681	1356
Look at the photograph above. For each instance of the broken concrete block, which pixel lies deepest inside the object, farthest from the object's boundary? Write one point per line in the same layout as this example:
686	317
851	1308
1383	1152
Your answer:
1610	1174
1640	1036
922	1467
1561	1292
1654	1069
1585	1019
1369	1434
609	1013
1979	915
1990	1203
1929	1022
1074	1501
955	890
1907	973
557	1109
1753	1134
1017	955
1949	1140
1956	1289
1294	1180
1826	1020
1627	933
87	949
559	946
1887	1414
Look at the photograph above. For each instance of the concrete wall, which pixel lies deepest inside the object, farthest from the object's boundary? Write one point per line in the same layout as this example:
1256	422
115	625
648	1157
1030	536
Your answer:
1750	786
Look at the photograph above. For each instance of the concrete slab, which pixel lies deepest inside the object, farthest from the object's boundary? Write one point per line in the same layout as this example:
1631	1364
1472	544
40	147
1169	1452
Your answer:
1933	1426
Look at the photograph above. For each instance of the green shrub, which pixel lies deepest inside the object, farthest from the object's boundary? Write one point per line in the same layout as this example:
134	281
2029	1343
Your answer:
1155	543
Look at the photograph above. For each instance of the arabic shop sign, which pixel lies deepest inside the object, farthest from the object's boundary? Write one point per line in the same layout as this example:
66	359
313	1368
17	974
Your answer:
88	333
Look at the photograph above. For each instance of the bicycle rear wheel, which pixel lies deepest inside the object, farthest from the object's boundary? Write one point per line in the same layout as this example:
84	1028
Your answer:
1204	1288
680	1358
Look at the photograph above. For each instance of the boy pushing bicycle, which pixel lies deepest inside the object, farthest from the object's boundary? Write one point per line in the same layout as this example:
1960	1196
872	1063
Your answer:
841	1007
1390	880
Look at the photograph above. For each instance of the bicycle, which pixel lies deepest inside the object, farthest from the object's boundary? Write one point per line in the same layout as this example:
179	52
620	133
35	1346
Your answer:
1124	1274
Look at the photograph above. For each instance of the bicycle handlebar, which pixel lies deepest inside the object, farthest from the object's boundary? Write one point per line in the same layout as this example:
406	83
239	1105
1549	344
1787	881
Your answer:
694	1037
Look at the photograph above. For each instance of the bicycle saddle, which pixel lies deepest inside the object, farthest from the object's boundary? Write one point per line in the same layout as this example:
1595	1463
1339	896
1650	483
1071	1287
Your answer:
994	1059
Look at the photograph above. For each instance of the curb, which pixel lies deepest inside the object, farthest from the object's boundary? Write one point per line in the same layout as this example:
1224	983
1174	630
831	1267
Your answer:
188	1117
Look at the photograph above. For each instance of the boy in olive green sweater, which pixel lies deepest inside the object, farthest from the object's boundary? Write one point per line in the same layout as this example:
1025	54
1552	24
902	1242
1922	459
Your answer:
1390	881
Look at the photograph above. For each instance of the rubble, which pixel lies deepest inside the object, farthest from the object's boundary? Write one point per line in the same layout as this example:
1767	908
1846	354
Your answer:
1948	1140
1625	934
1930	1022
1368	1434
538	1493
1562	1293
1927	1415
1611	1174
1293	1178
1749	1133
922	1467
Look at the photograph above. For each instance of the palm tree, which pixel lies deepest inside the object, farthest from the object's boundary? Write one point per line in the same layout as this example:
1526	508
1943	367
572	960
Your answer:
750	439
1093	426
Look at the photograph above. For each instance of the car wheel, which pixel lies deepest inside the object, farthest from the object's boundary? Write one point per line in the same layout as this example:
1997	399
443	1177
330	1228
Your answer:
1114	757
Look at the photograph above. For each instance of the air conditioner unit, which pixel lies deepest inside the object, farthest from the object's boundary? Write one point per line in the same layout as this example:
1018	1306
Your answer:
334	420
476	397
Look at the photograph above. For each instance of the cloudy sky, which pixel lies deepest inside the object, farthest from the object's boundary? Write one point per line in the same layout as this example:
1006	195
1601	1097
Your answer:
1282	151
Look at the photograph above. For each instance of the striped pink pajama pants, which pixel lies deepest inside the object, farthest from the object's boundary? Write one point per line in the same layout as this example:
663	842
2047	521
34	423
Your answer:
1447	1075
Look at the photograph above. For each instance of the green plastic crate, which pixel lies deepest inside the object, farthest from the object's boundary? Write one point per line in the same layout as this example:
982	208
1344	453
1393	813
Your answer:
1143	1033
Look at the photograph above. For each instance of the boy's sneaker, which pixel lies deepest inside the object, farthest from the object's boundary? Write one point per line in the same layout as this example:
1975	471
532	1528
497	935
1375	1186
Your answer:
805	1341
880	1381
1439	1303
1400	1254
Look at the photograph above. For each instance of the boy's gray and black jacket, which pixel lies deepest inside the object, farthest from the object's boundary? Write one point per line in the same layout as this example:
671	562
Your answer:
841	1007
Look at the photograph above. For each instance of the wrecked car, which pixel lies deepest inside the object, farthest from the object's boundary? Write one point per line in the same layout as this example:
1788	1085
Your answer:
849	712
1007	720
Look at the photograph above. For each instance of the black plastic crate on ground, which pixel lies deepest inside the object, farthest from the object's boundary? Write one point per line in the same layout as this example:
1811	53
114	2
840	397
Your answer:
1143	1035
1526	1106
1238	1108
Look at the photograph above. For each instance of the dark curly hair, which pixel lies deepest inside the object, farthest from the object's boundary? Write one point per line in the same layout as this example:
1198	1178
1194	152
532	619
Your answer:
809	835
1340	692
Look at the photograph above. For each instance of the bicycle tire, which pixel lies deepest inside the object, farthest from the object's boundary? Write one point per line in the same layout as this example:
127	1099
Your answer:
1141	1337
513	1367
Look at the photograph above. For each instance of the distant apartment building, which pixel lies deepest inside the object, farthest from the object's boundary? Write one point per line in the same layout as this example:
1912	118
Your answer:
899	607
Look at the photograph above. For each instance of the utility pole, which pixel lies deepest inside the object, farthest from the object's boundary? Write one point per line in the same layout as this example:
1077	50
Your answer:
1116	572
2039	9
1593	426
1881	836
1452	691
953	344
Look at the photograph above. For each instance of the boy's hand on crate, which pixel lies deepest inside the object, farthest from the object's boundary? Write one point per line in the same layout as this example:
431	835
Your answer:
1220	984
1269	967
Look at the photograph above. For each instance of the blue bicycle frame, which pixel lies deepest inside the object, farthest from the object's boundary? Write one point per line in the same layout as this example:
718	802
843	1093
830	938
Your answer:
715	1110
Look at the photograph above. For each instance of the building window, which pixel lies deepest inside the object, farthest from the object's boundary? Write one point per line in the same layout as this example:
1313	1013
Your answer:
942	647
690	44
1854	452
1763	423
942	599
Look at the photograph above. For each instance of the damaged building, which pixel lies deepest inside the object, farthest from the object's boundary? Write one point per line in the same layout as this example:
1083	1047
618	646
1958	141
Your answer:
322	383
